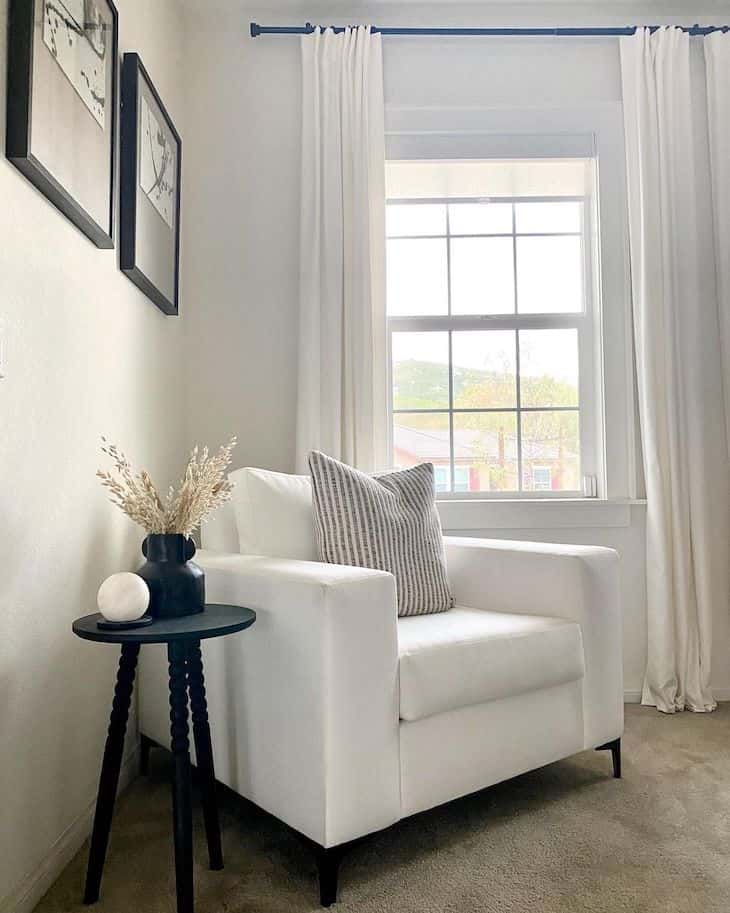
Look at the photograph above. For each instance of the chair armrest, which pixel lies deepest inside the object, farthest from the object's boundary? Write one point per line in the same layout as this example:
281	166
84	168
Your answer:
304	705
579	582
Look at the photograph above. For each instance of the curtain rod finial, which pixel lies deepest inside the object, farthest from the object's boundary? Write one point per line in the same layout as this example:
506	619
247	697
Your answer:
255	29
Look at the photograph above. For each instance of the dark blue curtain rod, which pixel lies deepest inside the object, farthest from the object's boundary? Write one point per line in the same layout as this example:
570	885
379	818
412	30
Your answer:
307	29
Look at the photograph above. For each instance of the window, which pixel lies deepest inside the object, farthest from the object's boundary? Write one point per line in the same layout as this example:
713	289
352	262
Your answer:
490	324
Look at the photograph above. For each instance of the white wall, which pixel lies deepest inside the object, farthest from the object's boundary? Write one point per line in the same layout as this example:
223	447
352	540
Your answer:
86	354
242	238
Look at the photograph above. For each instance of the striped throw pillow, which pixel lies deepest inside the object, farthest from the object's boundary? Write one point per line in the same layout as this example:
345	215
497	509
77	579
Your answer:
388	522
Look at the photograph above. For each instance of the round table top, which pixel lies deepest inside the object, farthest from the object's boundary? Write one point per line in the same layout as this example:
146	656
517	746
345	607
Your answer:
215	621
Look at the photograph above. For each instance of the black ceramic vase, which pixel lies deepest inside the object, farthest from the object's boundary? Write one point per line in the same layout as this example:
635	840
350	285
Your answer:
176	584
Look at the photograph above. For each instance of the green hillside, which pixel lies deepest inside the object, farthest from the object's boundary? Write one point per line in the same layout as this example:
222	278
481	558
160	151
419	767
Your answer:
425	385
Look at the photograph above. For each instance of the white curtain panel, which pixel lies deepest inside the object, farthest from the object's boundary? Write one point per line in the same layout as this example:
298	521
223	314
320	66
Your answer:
717	68
679	368
342	337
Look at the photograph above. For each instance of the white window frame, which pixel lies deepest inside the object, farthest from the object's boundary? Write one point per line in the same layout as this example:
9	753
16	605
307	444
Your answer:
444	131
584	322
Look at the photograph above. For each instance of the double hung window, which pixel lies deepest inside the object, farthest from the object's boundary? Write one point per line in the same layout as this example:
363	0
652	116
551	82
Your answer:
490	320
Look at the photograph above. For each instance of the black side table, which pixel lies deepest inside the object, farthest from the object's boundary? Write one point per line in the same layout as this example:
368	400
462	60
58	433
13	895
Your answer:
182	636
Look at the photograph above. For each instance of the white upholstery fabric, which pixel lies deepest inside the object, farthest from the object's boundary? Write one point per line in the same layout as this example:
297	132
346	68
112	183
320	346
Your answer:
219	533
274	514
304	704
577	582
456	753
470	656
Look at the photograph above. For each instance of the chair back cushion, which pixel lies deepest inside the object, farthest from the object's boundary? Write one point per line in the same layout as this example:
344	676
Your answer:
388	522
274	514
219	533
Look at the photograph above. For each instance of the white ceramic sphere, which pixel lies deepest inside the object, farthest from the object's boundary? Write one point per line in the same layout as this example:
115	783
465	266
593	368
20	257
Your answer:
123	597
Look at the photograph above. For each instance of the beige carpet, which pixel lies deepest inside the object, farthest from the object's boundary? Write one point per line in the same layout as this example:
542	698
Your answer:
564	838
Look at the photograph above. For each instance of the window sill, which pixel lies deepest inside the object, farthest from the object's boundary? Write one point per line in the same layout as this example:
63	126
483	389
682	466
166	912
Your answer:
469	515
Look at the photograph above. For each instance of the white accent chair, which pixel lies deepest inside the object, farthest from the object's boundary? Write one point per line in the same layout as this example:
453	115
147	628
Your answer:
339	718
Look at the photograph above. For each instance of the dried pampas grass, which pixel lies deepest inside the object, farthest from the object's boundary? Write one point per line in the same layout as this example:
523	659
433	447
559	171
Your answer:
203	488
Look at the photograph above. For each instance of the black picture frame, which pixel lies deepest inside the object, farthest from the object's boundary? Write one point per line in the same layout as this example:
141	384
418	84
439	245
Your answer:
19	112
133	73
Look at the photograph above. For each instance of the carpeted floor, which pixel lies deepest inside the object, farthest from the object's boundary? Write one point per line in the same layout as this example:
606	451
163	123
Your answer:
564	838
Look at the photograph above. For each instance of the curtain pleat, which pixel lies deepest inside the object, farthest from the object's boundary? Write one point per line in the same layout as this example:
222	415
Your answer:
717	70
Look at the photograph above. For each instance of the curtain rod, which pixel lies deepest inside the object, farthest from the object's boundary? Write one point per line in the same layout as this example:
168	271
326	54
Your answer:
307	29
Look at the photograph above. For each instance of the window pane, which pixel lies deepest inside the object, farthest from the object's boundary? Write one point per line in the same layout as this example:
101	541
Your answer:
417	277
484	369
420	370
421	438
480	218
415	219
462	478
547	217
482	276
441	480
549	367
549	275
485	446
550	451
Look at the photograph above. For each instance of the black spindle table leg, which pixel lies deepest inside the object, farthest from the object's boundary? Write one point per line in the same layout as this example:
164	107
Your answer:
181	792
204	754
109	779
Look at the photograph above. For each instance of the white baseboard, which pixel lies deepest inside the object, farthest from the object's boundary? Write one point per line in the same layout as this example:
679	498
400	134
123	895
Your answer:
632	697
26	895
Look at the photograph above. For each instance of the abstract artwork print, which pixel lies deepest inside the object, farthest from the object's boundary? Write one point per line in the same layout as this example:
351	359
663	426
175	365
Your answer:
74	32
157	164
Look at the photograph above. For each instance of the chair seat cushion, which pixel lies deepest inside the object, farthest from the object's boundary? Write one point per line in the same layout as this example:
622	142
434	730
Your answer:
469	656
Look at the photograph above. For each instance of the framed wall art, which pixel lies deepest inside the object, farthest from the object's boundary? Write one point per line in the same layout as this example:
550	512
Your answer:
150	164
62	106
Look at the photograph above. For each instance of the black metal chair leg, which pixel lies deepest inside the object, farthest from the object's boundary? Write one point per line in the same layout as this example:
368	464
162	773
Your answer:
615	748
181	790
145	744
110	767
204	754
328	865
